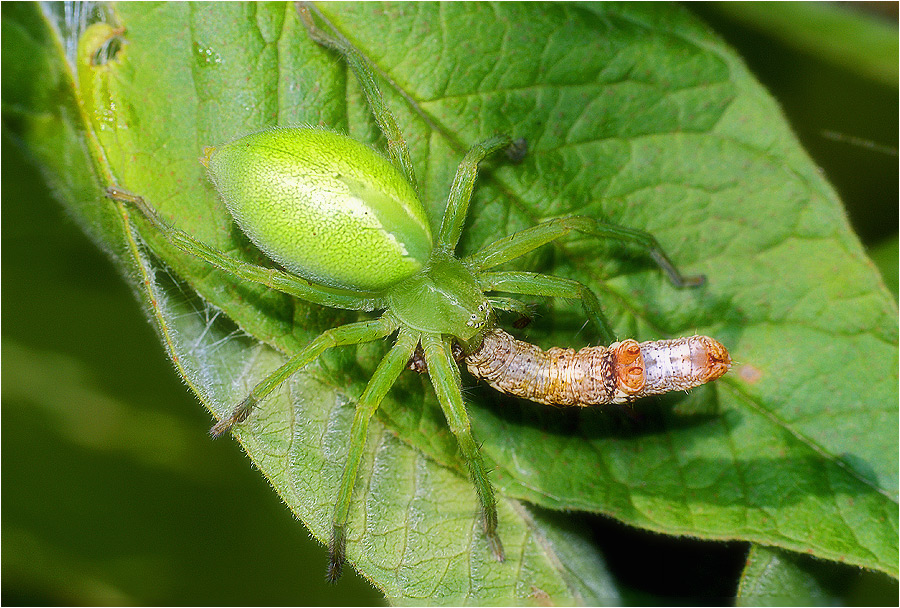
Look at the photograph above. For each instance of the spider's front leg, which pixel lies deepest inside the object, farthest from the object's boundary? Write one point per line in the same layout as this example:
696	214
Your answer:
522	242
445	378
461	190
382	380
535	284
528	283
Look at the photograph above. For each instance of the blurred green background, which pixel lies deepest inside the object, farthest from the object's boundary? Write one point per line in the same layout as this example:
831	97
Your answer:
114	494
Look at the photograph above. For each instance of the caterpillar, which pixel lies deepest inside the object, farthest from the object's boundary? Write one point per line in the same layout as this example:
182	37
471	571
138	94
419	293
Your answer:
594	375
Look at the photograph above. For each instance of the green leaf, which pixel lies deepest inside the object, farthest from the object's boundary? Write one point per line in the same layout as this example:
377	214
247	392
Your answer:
842	34
773	577
634	114
777	578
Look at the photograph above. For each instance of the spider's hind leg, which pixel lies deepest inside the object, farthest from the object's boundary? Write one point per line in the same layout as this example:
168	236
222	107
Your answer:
352	333
398	151
273	278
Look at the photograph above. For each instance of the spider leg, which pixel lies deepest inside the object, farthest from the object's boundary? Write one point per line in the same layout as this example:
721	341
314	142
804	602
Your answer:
352	333
534	284
398	151
510	305
445	378
522	242
461	190
270	277
382	380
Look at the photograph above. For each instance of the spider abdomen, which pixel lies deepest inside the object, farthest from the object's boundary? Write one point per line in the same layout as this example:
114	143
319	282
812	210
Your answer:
324	206
595	375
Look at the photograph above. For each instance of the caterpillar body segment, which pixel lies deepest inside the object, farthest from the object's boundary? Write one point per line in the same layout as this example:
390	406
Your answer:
594	375
682	364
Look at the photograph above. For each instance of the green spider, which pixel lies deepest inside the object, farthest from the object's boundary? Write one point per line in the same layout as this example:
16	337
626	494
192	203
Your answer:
317	202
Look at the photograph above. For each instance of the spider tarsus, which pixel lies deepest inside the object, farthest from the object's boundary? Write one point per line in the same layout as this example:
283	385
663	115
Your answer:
123	196
517	150
220	428
117	194
687	282
238	415
521	322
496	546
489	518
320	37
696	280
336	554
135	200
674	276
